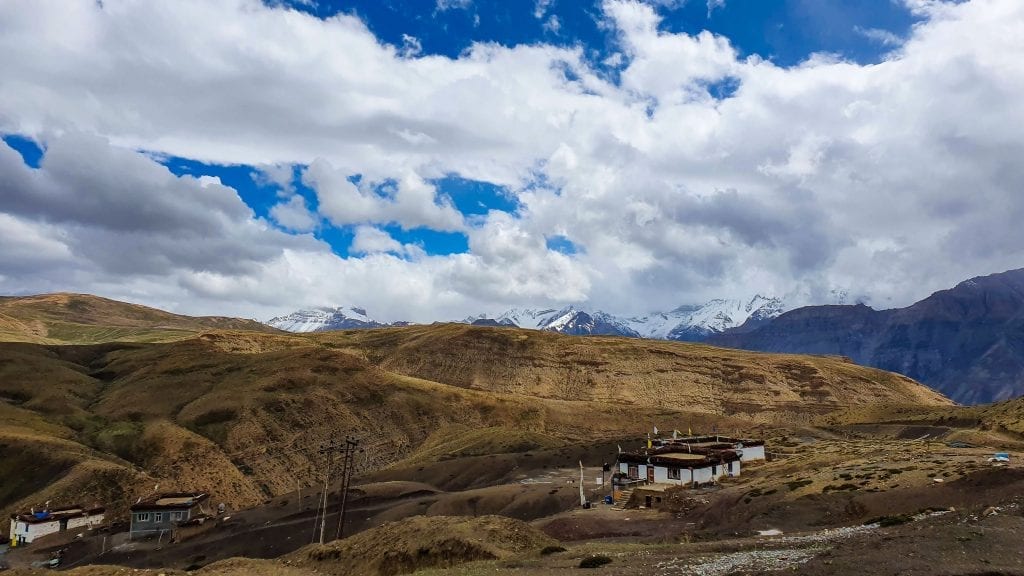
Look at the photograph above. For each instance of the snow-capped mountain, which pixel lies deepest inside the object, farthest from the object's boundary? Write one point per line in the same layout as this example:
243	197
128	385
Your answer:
690	323
324	319
569	320
697	323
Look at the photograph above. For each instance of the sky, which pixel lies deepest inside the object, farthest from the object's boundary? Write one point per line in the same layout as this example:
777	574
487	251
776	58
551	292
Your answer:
435	159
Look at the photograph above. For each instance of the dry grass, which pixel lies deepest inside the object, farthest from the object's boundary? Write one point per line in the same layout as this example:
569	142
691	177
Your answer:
242	413
85	319
630	371
422	542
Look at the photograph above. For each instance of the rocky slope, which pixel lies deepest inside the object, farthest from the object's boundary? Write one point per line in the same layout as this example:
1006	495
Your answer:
966	342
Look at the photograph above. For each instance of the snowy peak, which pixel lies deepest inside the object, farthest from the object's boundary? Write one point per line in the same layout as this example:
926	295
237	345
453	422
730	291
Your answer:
572	320
323	319
695	323
569	320
687	322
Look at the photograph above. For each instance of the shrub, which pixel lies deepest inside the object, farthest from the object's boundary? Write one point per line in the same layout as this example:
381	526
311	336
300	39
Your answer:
595	561
551	550
797	484
884	521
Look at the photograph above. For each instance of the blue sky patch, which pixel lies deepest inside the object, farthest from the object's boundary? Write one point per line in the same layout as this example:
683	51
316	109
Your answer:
784	31
433	242
475	197
31	152
562	244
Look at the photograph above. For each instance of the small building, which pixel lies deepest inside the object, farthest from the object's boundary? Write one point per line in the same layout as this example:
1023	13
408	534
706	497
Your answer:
686	460
162	513
669	465
28	526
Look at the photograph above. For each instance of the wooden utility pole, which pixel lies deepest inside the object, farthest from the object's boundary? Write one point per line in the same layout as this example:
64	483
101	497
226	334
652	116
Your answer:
328	450
348	464
583	498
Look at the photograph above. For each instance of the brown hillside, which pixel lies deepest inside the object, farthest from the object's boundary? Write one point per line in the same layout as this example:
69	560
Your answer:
647	373
84	319
245	421
241	414
1002	418
422	542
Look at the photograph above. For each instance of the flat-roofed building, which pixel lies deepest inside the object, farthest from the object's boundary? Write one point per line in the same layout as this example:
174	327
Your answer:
30	525
161	513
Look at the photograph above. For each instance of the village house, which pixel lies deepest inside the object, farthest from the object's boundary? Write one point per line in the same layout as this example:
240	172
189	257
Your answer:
28	526
162	513
682	461
677	465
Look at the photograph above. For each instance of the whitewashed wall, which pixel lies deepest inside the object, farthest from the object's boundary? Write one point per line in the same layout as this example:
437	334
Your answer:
752	453
34	531
85	521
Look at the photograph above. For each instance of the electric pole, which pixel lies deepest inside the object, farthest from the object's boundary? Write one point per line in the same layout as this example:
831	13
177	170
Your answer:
348	464
328	449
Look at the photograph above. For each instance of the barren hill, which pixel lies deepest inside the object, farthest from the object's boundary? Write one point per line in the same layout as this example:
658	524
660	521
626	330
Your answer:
648	373
242	413
64	318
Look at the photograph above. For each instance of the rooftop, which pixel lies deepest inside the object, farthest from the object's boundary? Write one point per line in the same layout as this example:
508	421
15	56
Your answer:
56	514
170	500
682	456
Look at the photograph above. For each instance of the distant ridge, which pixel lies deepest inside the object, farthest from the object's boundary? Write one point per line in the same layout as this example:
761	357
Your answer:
66	318
966	342
686	323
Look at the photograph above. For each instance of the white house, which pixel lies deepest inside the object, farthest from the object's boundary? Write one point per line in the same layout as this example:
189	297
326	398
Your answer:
28	526
669	466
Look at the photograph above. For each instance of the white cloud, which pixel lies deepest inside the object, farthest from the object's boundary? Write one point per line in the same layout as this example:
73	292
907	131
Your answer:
411	46
294	215
891	179
371	240
553	24
879	35
409	201
443	5
541	7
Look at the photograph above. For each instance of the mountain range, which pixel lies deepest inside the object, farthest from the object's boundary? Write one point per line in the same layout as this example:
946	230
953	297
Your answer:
688	323
966	342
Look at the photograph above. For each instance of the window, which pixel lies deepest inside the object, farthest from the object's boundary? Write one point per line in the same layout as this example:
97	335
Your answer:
158	517
142	517
634	471
673	474
714	470
175	515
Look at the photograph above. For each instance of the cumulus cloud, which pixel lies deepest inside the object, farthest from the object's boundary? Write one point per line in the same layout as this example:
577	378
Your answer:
890	180
371	240
294	215
409	201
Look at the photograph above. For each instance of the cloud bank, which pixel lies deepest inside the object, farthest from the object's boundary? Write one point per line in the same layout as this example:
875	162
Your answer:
890	180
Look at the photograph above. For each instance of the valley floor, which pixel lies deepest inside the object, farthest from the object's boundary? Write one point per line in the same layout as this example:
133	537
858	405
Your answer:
844	500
